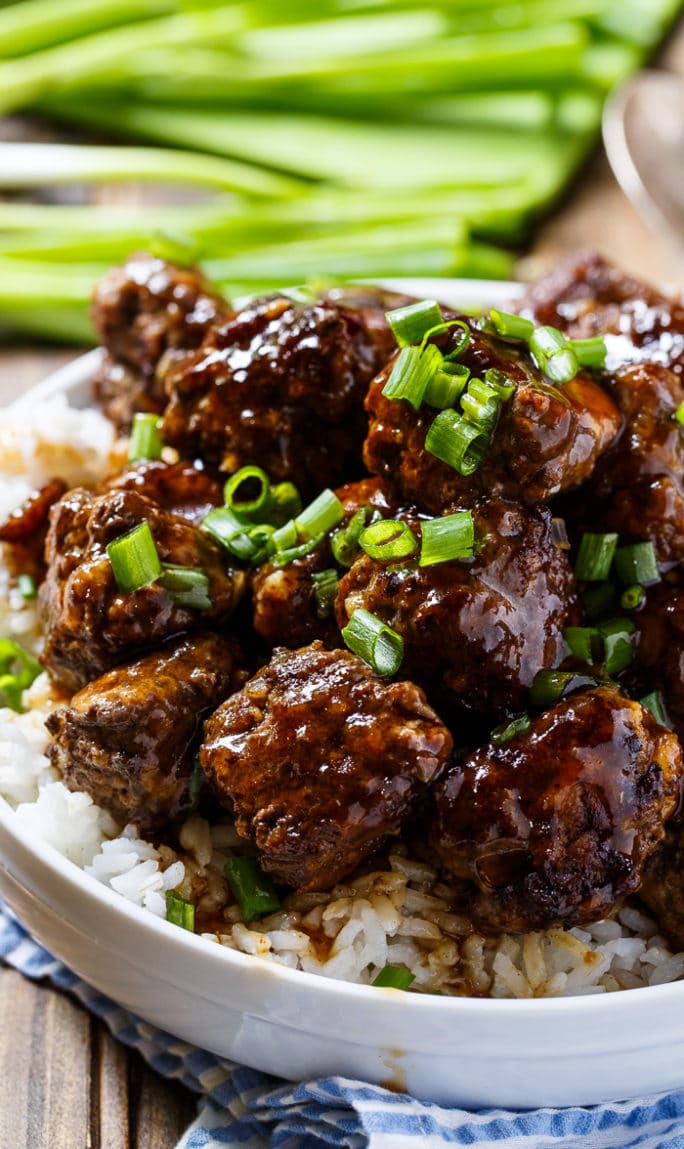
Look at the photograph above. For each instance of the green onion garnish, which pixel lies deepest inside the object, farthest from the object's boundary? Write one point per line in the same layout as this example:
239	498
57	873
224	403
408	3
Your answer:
511	326
618	645
27	586
679	414
345	542
388	540
632	597
283	558
287	502
550	686
259	506
180	912
654	703
583	642
637	563
590	352
186	586
146	441
409	324
374	642
285	537
448	326
456	441
480	404
324	513
253	890
325	585
134	558
446	385
595	557
14	681
394	977
446	538
260	536
411	373
599	601
553	354
510	730
230	532
501	383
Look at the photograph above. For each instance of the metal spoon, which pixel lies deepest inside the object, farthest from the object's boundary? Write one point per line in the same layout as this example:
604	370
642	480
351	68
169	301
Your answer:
643	131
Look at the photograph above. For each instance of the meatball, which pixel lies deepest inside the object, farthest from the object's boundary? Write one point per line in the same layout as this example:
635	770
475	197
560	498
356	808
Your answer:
281	383
24	531
129	738
285	609
546	439
588	296
142	312
181	488
554	827
660	646
321	761
90	625
636	488
662	885
477	630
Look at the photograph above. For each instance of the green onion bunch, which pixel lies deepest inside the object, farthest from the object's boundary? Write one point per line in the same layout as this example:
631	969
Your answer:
342	139
557	357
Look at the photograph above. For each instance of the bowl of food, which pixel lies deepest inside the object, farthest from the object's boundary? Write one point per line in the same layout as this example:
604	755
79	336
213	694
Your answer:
352	744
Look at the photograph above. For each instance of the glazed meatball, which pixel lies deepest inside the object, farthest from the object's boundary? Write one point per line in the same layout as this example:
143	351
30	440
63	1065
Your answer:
554	826
90	625
546	439
24	531
285	608
145	311
660	646
588	296
321	761
129	738
477	630
281	383
662	885
181	488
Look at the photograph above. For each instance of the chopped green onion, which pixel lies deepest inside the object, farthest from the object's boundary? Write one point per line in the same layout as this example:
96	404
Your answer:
409	324
553	354
260	536
134	558
283	558
388	540
632	597
27	586
14	683
345	542
617	635
679	414
599	601
324	513
197	781
595	557
230	532
456	441
501	382
590	352
446	538
511	326
550	686
180	912
253	890
374	641
287	502
411	373
146	442
447	326
510	730
653	702
325	584
583	642
186	586
480	404
446	385
285	537
637	563
394	977
257	507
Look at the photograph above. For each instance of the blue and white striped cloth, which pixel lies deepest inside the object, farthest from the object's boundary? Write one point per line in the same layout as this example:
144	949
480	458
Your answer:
246	1109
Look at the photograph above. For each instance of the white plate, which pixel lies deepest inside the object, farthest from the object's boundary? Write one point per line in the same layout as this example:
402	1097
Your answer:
459	1051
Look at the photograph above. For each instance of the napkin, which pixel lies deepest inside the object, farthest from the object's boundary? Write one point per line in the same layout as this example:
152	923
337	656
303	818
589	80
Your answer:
245	1108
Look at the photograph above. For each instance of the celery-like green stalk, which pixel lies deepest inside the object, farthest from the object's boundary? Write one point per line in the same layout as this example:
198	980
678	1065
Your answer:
34	24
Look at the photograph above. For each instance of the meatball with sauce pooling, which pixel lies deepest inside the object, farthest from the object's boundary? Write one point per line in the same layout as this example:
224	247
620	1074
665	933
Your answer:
129	738
554	827
181	488
321	761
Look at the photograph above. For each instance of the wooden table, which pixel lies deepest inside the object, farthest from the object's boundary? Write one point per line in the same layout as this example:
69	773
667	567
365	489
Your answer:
64	1083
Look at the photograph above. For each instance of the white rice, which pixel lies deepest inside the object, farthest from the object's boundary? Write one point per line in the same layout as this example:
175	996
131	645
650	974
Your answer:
401	914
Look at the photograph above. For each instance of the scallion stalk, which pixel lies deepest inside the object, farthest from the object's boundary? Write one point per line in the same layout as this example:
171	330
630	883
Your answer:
394	977
637	563
409	324
256	508
252	888
388	540
146	441
179	912
18	669
374	642
447	538
135	559
325	585
595	556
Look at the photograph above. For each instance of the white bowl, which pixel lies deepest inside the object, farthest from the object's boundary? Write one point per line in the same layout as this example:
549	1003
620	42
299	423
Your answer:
458	1051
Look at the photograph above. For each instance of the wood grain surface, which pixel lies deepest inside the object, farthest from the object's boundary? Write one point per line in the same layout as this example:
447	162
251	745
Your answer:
64	1083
